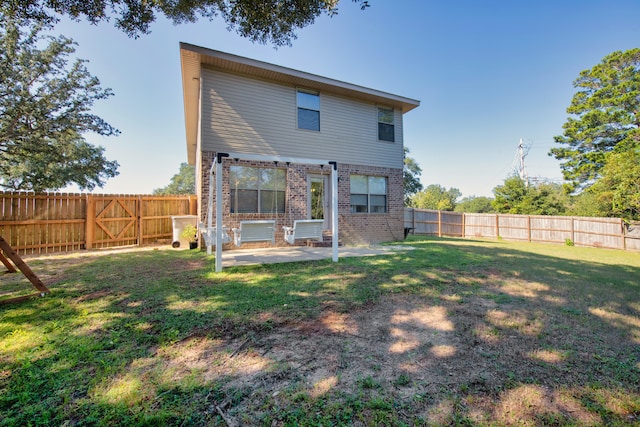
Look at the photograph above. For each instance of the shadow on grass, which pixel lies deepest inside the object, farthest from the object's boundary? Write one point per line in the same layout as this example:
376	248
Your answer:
454	331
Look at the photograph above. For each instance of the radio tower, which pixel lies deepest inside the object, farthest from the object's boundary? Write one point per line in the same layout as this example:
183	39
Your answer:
522	153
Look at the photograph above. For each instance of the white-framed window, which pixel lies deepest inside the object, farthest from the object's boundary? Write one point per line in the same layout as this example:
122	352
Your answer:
386	127
308	109
257	190
368	194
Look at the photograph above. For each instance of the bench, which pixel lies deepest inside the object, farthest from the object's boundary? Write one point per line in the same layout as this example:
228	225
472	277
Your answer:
304	229
209	235
255	231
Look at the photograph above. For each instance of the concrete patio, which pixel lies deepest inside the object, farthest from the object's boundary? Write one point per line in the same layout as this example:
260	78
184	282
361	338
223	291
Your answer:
236	257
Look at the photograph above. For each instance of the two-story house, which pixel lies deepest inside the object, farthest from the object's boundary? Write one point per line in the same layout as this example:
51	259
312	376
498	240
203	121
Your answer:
281	132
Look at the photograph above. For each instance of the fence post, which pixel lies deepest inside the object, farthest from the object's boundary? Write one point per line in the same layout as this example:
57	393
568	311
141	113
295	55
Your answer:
573	237
624	239
439	224
497	226
529	226
139	219
193	206
413	220
90	222
464	223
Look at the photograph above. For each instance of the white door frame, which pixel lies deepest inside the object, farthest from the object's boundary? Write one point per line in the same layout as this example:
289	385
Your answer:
326	202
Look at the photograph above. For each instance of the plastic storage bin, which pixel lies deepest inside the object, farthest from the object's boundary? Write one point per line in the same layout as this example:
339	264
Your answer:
179	223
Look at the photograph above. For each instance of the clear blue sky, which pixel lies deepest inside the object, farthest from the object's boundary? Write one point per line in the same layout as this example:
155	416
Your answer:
487	74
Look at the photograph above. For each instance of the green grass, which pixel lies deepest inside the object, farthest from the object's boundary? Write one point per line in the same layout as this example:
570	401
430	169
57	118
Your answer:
159	338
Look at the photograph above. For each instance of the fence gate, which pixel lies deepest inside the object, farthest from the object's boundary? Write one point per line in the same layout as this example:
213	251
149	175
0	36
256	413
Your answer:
112	221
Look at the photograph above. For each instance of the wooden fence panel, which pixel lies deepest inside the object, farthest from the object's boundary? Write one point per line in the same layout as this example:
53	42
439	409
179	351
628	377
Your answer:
425	222
480	225
42	223
581	231
551	229
156	213
513	227
57	222
632	237
599	232
451	224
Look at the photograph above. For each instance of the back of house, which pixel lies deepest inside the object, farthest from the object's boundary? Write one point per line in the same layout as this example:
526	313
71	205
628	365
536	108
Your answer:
284	130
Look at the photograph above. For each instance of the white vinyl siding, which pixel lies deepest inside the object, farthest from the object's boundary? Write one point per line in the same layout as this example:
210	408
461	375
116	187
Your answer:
241	114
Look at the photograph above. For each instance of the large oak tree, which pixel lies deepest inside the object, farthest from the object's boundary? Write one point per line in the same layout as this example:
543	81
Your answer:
265	21
45	105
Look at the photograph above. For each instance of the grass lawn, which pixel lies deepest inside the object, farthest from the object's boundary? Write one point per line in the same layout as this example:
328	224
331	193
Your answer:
462	332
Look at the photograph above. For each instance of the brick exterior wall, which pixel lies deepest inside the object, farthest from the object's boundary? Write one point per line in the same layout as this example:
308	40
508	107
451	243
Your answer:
353	228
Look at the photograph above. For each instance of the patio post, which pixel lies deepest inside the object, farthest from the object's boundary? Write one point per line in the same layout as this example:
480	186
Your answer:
219	230
334	210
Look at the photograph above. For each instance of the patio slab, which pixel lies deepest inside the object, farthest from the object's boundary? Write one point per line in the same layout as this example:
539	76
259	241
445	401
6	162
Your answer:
236	257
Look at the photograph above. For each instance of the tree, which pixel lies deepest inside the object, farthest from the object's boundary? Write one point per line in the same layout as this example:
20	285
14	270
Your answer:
262	21
475	204
605	118
518	197
184	182
508	197
411	177
590	204
544	199
618	190
436	197
44	112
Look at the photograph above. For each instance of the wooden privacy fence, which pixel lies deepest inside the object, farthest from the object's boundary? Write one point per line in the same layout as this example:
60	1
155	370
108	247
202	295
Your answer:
57	222
581	231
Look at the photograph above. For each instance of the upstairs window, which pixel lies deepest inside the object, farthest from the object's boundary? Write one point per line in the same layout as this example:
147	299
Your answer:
257	190
368	194
308	110
386	128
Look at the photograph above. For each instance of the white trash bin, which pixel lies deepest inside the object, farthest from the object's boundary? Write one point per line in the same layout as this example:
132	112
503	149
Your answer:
179	224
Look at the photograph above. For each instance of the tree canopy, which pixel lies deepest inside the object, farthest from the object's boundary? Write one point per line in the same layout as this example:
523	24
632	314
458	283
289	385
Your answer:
618	190
44	112
605	118
184	182
265	21
475	204
411	177
436	197
516	196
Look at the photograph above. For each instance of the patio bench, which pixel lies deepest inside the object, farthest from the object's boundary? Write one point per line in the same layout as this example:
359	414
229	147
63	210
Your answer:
254	231
209	234
304	229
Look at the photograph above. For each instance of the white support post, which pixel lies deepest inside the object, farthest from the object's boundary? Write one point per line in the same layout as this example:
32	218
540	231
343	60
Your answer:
219	230
334	210
210	206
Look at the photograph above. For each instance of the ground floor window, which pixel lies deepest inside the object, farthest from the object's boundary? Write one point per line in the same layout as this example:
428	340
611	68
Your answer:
368	194
257	190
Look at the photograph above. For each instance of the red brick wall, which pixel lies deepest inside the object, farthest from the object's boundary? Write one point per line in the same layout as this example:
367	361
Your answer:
353	228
